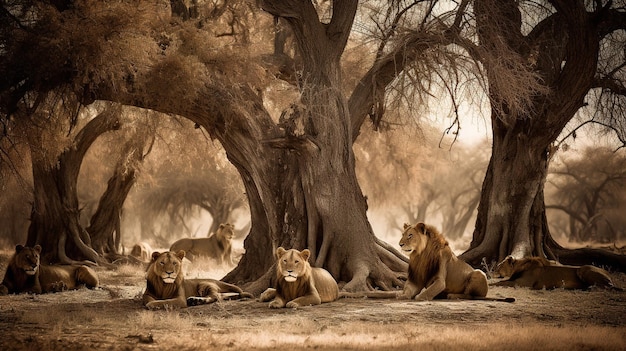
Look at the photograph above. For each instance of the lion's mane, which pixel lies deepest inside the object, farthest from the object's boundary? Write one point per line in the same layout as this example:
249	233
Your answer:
26	274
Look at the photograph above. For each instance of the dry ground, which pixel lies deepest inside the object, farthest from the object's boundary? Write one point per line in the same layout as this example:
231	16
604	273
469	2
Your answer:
112	318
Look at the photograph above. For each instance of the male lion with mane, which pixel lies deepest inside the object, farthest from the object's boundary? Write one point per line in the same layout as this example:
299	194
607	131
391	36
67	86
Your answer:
26	274
299	284
218	246
436	272
539	273
167	287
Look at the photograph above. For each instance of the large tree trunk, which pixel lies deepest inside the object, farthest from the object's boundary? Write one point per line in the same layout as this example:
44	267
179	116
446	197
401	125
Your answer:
55	207
316	200
563	51
505	223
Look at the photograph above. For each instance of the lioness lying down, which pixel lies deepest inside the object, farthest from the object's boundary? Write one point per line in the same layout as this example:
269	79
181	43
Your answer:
25	274
539	273
299	284
167	287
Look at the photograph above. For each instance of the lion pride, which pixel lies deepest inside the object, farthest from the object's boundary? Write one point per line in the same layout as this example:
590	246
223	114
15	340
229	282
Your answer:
167	287
299	284
435	271
26	274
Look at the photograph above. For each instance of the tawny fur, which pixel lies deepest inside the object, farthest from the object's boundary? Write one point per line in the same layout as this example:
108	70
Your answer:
218	246
310	286
142	251
44	278
180	292
540	273
435	271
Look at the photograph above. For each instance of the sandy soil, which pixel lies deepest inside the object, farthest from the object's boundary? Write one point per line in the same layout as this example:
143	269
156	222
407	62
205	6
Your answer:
112	318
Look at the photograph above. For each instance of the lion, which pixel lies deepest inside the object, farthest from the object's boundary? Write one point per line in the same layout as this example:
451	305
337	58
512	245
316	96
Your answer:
166	286
299	284
218	246
435	271
141	251
540	273
26	274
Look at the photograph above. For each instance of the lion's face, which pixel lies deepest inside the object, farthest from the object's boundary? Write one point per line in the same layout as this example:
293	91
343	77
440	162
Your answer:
414	238
506	267
27	258
292	264
167	265
226	231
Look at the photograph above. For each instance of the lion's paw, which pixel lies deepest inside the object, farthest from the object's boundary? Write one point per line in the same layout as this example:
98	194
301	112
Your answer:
195	300
58	286
246	295
420	298
153	305
275	304
292	304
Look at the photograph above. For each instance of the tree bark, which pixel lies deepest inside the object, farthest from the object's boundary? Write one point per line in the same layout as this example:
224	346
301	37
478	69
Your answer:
105	224
55	207
511	213
316	202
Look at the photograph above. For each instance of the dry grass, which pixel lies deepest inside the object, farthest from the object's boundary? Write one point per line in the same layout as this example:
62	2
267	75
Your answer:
99	319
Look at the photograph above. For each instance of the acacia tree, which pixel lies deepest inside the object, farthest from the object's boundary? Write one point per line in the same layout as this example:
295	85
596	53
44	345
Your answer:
537	82
590	191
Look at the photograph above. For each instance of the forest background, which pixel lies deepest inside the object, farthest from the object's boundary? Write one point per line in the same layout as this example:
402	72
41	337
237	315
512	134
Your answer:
456	109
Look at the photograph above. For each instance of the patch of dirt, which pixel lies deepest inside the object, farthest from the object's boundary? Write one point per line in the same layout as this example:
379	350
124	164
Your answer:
112	318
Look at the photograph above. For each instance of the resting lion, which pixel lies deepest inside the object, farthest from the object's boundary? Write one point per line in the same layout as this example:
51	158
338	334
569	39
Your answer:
26	274
217	246
539	273
167	287
436	272
141	251
299	284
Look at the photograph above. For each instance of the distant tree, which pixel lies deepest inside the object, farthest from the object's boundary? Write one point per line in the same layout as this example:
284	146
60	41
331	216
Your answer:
191	175
590	190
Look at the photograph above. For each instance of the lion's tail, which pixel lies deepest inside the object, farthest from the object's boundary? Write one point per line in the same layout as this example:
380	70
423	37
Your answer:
498	299
370	294
482	298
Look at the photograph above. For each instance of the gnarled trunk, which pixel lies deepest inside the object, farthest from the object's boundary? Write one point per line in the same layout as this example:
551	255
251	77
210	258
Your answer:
563	51
105	224
55	207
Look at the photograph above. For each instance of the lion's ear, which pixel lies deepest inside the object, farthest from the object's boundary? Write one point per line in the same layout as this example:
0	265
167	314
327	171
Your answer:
222	225
421	227
37	248
18	248
406	226
280	252
180	254
306	253
155	255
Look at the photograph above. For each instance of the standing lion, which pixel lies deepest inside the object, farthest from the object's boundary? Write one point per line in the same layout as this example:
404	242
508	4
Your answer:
218	246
